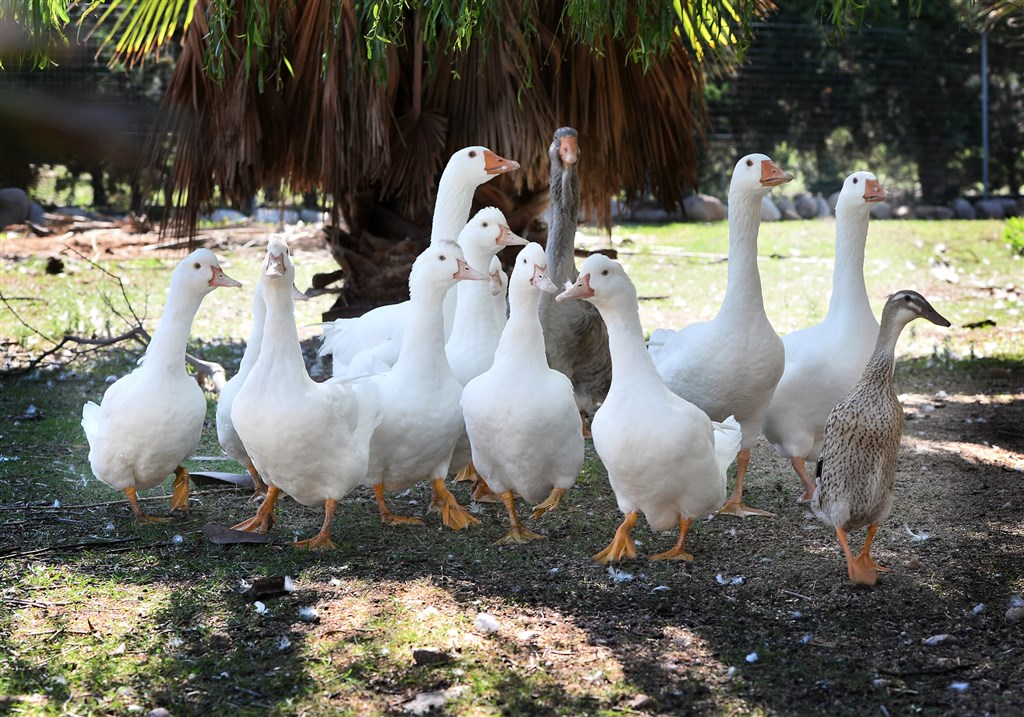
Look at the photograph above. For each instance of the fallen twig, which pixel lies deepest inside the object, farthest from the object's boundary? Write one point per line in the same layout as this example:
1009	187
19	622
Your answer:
69	547
81	506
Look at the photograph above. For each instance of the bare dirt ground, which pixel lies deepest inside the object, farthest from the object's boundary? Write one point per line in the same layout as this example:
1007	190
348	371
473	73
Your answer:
764	620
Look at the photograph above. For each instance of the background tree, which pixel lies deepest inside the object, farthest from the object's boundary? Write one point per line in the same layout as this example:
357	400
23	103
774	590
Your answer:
902	96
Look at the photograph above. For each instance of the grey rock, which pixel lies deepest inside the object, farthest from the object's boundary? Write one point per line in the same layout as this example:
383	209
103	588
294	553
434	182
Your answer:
1015	614
963	209
881	210
989	209
805	206
311	216
704	208
944	213
924	211
271	215
769	212
14	206
224	215
425	702
159	712
833	200
1010	206
430	656
786	206
36	215
824	210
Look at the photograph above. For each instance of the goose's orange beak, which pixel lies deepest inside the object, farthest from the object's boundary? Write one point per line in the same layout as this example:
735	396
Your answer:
466	272
219	278
568	150
507	238
275	264
580	290
874	191
772	175
495	164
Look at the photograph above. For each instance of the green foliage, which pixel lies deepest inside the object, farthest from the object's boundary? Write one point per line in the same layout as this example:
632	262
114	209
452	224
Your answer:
1014	234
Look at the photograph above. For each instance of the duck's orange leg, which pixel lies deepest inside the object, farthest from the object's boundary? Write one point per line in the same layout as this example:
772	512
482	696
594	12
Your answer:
258	485
622	545
734	506
583	420
801	470
519	533
322	540
264	518
179	499
550	503
861	569
140	515
679	551
453	515
386	516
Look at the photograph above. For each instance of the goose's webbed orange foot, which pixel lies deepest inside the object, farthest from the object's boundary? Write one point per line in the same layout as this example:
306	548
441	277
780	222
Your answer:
482	492
264	518
453	515
322	540
386	516
550	503
140	516
678	551
179	499
622	546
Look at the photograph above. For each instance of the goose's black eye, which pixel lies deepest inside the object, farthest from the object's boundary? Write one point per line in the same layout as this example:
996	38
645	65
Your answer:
750	163
197	265
604	273
855	180
442	258
472	154
907	298
523	261
486	224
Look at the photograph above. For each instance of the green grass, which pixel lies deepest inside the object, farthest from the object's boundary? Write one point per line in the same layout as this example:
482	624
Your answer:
100	617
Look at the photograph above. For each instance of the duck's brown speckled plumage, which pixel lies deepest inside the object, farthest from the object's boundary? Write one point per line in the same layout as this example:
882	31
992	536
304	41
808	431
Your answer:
857	469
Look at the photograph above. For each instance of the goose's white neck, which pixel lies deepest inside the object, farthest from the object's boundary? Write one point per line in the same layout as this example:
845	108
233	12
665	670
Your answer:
451	209
478	257
632	366
473	310
422	351
166	350
252	349
280	346
849	293
743	288
522	342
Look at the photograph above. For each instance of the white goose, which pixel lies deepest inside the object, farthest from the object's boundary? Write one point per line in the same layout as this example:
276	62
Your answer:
664	456
823	362
479	315
227	436
421	417
373	339
521	416
731	364
151	420
307	439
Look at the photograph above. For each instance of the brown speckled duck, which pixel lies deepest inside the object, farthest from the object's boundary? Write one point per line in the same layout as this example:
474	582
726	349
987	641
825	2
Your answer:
857	468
